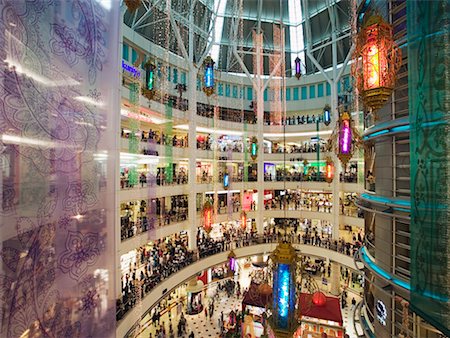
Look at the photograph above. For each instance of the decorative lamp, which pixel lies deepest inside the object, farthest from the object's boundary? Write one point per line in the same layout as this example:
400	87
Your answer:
377	60
207	213
243	220
132	5
327	115
319	299
254	148
298	68
208	85
232	261
149	87
226	181
345	152
329	170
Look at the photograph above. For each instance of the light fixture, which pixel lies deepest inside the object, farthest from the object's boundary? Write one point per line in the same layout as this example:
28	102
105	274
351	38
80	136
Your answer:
377	60
327	115
298	68
208	85
148	89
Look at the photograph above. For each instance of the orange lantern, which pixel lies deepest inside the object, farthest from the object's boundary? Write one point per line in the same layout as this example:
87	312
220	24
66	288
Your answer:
329	170
377	60
207	216
243	220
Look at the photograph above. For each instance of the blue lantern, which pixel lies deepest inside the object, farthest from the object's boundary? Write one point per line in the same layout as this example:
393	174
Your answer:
208	85
327	115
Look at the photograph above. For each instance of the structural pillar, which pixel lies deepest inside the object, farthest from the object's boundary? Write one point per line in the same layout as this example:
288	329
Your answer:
335	279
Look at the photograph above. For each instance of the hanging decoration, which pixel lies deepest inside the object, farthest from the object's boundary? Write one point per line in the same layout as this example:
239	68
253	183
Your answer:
327	115
207	213
208	85
132	5
345	139
243	220
329	170
298	68
148	90
226	181
377	60
232	263
254	148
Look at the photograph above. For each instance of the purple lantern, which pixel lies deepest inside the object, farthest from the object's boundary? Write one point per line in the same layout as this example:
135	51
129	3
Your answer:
298	68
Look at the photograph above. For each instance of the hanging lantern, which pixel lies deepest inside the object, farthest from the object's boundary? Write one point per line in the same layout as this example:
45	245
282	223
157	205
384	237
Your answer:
254	148
226	181
243	220
207	213
208	85
232	262
345	151
149	87
298	68
327	115
132	5
376	62
329	170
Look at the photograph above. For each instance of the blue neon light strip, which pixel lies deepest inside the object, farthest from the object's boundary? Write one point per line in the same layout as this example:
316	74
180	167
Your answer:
382	199
368	261
398	129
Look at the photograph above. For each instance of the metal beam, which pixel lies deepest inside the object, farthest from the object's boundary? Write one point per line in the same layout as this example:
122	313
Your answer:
145	15
178	37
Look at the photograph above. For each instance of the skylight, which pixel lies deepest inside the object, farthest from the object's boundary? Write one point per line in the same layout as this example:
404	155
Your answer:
296	34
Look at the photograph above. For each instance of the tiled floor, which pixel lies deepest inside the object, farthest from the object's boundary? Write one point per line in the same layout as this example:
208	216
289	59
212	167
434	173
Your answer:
204	327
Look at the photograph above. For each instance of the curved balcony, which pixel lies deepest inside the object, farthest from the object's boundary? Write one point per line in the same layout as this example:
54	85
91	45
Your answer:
199	261
387	206
387	128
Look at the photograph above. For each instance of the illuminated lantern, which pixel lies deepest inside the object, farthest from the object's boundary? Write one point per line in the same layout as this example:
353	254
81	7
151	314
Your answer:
376	62
327	115
149	87
298	68
207	216
345	152
329	170
319	299
226	181
208	85
232	263
254	148
243	220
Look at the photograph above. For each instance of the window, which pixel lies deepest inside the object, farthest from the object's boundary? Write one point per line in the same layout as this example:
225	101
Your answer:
266	95
183	78
339	87
227	90
328	89
175	75
169	73
134	56
288	94
312	92
320	90
220	89
249	93
346	83
241	92
296	94
125	52
304	93
159	69
235	92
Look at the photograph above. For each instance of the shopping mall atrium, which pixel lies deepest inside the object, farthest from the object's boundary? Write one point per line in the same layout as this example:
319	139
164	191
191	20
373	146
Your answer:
225	168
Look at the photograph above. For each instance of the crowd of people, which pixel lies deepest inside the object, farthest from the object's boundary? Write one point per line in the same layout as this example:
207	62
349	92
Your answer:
305	147
147	178
295	175
293	120
145	220
297	200
153	264
226	114
158	137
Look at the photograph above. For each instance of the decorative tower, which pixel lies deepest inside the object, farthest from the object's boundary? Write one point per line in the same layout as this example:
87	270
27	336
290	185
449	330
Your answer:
284	319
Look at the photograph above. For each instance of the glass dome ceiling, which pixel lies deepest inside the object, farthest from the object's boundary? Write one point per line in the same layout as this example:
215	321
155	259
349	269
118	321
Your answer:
229	24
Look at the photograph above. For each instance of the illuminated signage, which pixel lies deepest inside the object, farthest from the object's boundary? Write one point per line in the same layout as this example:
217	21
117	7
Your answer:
226	180
130	69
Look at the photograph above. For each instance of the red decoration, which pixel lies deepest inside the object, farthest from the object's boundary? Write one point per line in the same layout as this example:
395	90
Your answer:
329	170
377	61
243	220
319	299
207	216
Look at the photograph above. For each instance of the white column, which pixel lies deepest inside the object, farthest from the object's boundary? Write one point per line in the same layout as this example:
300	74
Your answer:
259	130
192	210
335	279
